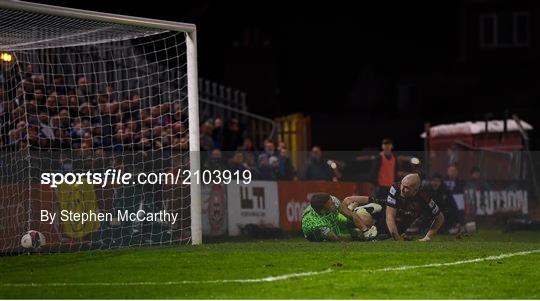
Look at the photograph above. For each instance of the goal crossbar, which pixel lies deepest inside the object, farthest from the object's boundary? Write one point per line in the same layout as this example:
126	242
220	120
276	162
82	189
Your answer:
96	16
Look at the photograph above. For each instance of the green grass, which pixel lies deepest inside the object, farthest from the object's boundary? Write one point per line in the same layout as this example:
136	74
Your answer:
352	275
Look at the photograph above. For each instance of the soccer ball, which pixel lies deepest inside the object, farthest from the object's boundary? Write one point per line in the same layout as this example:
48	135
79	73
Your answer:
32	239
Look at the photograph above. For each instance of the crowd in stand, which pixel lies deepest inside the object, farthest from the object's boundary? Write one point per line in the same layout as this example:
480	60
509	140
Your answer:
271	163
49	114
54	115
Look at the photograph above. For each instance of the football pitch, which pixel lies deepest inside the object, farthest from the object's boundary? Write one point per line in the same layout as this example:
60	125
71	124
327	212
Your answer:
489	264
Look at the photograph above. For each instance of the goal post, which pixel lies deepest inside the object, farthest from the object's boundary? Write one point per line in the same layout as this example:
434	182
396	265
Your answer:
154	74
193	108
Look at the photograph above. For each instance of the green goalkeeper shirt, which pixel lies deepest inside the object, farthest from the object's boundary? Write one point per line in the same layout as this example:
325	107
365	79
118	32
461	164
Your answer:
316	227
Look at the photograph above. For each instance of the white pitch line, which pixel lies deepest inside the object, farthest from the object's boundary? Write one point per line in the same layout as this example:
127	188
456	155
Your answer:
442	264
255	280
266	279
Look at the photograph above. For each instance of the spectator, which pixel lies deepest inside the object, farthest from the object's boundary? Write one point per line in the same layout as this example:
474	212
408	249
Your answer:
438	191
232	137
59	85
236	163
20	97
273	162
76	132
476	176
111	92
177	120
269	148
155	116
32	135
73	104
385	169
215	162
263	170
30	108
278	173
105	124
248	148
63	118
19	133
164	117
60	126
40	100
472	187
317	169
205	136
217	134
44	127
83	89
62	102
286	164
456	186
145	117
281	146
86	110
130	105
178	114
51	105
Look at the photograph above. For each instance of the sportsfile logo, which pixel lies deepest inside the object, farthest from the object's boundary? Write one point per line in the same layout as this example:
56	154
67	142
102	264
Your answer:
119	177
110	176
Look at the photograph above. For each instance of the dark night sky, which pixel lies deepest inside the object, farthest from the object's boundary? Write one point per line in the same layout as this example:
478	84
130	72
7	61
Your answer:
313	58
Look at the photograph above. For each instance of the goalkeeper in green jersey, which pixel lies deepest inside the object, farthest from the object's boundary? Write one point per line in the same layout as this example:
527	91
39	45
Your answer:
329	219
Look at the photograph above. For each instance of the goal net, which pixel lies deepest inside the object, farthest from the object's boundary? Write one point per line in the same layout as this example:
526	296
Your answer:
87	96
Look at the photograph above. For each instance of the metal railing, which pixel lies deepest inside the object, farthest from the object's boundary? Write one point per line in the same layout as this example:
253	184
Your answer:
217	100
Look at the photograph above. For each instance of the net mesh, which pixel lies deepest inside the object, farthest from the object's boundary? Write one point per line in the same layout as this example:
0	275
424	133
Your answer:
82	96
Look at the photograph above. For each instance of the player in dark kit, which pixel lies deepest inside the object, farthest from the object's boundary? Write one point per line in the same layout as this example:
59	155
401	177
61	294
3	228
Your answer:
406	203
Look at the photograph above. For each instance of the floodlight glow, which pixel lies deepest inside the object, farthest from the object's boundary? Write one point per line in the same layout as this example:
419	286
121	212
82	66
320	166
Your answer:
6	57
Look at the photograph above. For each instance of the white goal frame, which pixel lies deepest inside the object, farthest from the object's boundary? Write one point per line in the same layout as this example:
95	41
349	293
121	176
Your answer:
192	78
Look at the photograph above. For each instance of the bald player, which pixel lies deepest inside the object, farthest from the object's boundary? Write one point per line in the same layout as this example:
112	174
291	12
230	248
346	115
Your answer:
406	203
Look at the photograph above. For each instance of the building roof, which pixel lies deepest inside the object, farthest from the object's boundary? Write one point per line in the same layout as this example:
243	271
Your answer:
474	128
